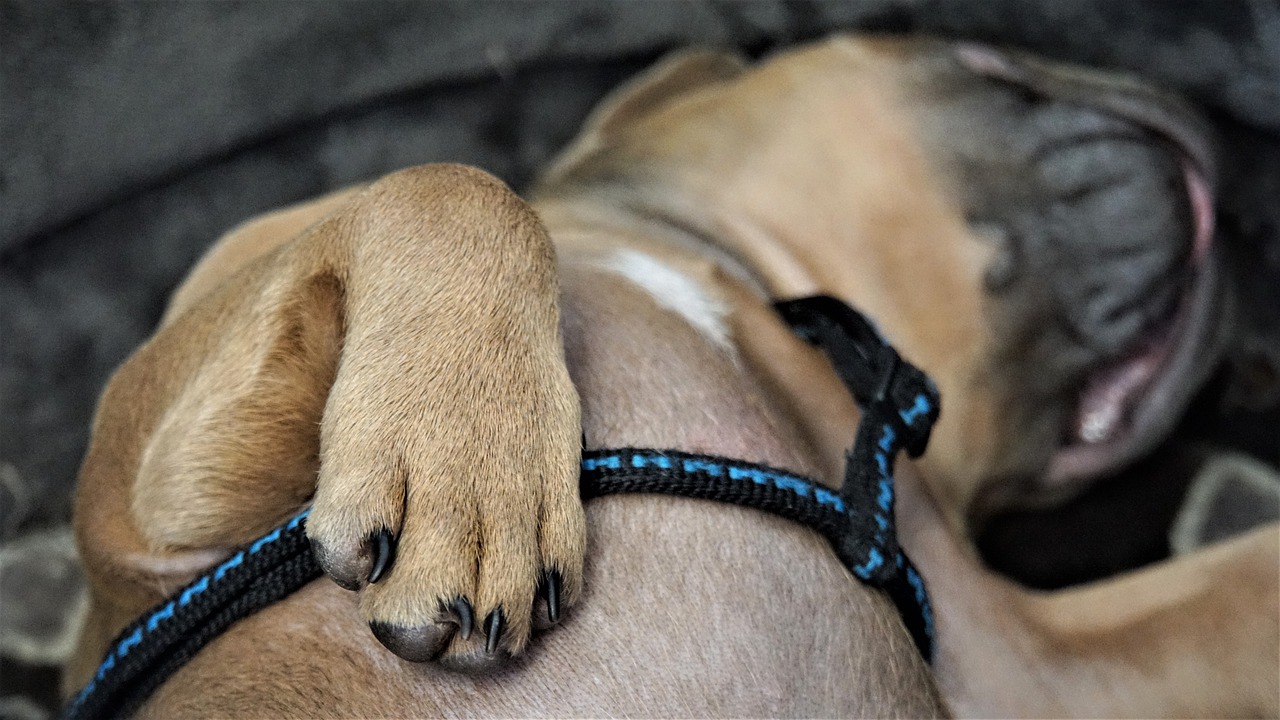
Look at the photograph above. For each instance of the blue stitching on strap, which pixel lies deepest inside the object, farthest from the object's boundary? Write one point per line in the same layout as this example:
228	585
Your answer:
128	643
886	438
826	497
885	498
235	561
709	468
643	461
758	477
922	598
200	586
163	613
874	560
790	483
159	617
297	519
919	407
613	462
796	486
265	540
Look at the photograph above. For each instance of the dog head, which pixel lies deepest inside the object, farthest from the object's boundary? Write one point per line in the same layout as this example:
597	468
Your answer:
1037	237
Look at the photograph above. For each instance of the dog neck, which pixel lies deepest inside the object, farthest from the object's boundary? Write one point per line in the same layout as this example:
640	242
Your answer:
731	265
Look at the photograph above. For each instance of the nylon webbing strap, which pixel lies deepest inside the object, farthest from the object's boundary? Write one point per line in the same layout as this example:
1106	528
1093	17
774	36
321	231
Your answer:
155	645
899	405
875	560
151	649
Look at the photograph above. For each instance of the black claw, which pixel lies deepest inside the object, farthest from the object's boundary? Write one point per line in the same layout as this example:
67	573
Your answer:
384	553
553	584
462	607
494	624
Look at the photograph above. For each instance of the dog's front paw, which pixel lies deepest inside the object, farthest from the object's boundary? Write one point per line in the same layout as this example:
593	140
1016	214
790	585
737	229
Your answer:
451	438
454	512
409	341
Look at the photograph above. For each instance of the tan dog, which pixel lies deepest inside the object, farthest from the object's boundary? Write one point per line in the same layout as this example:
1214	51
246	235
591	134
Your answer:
395	352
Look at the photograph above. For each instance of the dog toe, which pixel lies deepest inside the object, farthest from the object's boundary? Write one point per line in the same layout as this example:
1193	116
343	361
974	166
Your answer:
418	643
454	622
356	519
562	542
474	659
367	563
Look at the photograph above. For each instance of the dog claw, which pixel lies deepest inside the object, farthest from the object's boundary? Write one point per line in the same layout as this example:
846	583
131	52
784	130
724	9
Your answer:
383	551
553	584
462	607
493	625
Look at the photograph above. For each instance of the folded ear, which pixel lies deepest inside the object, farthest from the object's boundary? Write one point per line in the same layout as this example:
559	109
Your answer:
678	73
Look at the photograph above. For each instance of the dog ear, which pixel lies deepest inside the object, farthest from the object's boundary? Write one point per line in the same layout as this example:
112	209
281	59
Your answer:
678	73
675	74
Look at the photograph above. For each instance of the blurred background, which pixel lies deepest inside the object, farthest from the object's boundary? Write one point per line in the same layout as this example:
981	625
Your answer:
133	134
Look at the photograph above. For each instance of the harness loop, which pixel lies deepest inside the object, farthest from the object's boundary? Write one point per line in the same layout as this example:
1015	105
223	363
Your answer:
899	404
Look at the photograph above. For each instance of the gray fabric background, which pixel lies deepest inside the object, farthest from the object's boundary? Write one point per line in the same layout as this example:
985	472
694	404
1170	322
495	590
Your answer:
133	134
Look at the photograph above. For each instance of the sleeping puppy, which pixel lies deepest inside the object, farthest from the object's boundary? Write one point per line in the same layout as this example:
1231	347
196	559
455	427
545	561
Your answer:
417	359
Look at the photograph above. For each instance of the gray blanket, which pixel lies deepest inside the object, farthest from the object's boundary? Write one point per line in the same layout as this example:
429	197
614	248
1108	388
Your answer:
133	134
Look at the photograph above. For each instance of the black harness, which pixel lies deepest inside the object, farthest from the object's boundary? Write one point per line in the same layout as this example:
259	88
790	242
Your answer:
899	405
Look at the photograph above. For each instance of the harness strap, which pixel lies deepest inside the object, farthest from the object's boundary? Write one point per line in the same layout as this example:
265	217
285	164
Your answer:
164	638
155	645
899	406
861	534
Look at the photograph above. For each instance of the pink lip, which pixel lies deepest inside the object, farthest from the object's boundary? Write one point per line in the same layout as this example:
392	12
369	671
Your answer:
1201	211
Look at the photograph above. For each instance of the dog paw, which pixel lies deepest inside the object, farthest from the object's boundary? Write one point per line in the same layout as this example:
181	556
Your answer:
455	519
447	493
453	531
400	362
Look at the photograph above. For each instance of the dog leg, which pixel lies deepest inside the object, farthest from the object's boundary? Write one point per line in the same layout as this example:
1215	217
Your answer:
1196	636
401	360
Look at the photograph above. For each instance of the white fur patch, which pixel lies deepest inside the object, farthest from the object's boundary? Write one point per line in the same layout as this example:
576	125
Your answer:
675	291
